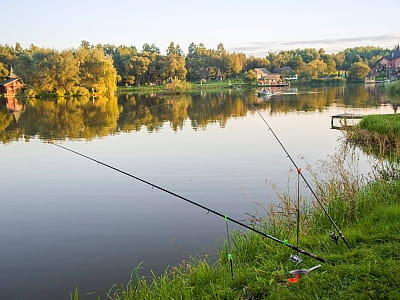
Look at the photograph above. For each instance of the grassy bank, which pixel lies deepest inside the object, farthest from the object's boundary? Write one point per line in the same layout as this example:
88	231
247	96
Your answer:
383	124
319	82
194	87
379	134
261	268
369	216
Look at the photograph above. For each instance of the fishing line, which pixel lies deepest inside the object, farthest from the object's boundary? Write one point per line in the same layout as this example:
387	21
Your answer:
209	210
305	180
302	176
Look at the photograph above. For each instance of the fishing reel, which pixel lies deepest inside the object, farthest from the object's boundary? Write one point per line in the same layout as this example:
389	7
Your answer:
334	237
295	258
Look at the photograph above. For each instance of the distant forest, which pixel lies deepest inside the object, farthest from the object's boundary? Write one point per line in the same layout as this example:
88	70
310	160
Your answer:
100	68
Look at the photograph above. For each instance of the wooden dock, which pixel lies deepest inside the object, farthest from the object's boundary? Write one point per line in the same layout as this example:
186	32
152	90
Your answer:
343	118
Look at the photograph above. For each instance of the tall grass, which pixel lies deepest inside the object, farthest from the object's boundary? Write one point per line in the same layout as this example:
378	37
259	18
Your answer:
382	124
378	135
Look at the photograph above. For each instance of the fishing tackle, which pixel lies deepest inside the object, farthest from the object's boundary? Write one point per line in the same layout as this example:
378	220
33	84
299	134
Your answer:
296	274
209	210
302	176
296	259
334	237
304	271
304	179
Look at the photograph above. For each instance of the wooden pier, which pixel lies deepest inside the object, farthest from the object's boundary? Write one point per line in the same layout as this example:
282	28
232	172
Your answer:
343	118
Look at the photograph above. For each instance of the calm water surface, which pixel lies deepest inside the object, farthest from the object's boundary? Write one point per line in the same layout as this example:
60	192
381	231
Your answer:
66	222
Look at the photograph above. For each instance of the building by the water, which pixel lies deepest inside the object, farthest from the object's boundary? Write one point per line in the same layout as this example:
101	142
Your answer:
387	67
12	85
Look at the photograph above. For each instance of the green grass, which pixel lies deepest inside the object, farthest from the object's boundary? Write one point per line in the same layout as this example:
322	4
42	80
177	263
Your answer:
195	86
370	220
382	124
378	135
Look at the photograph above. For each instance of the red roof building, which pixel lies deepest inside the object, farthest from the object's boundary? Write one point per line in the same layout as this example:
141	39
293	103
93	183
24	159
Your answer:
389	66
12	84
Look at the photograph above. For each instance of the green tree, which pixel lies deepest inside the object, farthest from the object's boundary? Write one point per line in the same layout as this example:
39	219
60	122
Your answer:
97	70
3	71
174	50
257	62
138	66
173	65
250	76
314	69
358	71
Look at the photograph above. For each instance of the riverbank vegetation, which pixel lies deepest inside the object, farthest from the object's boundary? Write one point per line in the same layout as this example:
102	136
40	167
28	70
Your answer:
393	88
98	68
367	210
71	73
379	134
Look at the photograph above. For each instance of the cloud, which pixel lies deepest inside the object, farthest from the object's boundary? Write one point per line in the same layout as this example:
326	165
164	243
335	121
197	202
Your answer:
261	48
362	39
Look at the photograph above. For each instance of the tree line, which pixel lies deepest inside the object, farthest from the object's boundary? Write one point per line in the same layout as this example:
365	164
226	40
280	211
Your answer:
82	118
99	68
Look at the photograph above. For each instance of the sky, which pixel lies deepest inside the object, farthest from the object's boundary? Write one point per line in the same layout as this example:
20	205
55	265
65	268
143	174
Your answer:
254	27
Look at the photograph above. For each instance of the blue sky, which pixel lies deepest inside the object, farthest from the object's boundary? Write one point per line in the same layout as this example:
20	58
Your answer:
249	26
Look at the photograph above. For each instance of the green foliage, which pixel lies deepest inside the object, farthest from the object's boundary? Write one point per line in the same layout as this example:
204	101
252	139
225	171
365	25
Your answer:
31	93
314	69
3	71
203	63
250	76
178	86
257	62
51	71
393	88
97	72
358	71
368	55
379	135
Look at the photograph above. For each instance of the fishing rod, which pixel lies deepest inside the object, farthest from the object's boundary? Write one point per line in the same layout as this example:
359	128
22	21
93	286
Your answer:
305	181
209	210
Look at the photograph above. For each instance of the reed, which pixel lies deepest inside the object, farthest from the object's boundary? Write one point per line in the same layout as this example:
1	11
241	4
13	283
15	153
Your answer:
378	135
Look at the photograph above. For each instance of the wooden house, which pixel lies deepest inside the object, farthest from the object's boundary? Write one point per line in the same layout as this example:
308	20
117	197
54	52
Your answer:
265	77
388	66
12	84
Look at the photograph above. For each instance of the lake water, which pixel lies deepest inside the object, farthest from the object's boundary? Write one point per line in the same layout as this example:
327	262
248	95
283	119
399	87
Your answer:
67	222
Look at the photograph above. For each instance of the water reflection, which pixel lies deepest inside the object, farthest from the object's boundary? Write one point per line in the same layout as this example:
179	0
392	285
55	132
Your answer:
90	118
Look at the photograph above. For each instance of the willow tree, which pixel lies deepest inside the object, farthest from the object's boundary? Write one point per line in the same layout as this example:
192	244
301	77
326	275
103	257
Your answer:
97	71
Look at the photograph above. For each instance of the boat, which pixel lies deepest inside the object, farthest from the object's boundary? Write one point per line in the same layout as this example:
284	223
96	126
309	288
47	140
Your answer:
265	94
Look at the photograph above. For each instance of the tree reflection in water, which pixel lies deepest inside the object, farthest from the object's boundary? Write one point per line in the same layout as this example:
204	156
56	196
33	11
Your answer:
88	118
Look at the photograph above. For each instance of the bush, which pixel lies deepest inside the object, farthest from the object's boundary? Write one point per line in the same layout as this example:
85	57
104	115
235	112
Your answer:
178	86
60	93
80	91
393	88
31	93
